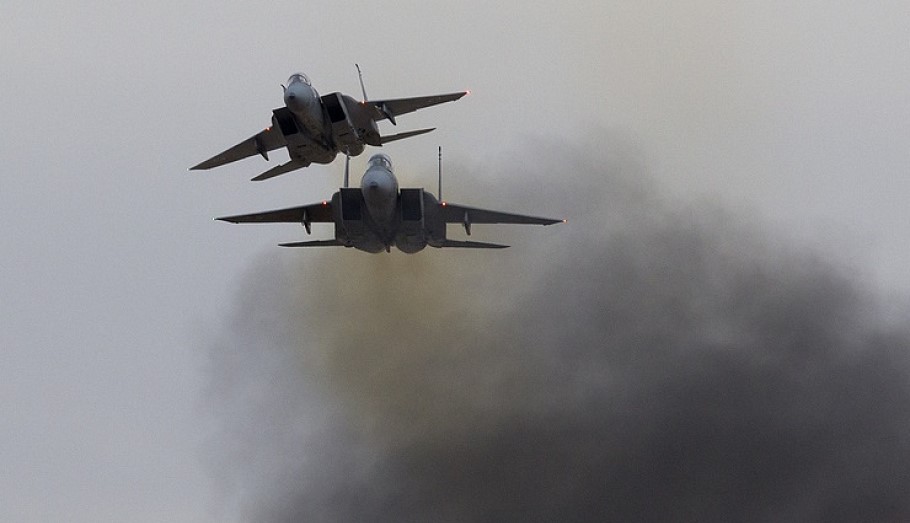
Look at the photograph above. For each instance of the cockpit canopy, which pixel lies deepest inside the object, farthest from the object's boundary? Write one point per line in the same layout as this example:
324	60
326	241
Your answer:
299	77
381	160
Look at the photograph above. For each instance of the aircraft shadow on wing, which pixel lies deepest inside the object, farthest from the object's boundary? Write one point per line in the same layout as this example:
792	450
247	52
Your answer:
315	129
379	215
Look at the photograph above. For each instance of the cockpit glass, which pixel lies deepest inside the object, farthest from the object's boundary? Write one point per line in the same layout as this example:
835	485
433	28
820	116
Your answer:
299	77
382	161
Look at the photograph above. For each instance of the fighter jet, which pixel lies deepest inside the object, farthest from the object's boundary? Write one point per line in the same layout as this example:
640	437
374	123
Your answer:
315	129
379	215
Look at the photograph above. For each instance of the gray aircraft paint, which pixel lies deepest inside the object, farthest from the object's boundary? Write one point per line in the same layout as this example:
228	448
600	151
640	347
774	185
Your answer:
379	215
315	129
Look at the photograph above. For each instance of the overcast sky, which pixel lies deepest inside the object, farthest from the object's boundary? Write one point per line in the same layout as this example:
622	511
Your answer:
114	280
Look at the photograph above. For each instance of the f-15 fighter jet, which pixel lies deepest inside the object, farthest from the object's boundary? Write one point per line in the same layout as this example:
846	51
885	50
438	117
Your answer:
379	215
315	129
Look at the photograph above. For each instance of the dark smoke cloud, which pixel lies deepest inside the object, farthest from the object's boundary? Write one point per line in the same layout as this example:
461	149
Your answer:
647	361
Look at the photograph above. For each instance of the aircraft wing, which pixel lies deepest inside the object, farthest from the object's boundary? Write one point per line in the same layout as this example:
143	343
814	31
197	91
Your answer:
315	213
398	106
454	213
261	143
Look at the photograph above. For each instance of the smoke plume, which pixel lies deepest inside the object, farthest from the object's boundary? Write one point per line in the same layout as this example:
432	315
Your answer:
647	361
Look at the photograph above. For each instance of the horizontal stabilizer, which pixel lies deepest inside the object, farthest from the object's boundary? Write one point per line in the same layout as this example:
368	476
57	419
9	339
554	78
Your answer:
472	245
399	136
287	167
313	243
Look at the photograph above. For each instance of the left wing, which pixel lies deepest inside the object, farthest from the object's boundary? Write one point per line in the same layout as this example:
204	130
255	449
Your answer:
383	109
305	214
454	213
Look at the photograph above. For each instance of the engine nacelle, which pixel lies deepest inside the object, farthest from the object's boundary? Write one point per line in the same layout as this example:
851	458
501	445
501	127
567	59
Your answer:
344	134
411	236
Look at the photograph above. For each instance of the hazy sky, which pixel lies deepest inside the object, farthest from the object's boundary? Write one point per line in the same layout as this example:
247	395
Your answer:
114	280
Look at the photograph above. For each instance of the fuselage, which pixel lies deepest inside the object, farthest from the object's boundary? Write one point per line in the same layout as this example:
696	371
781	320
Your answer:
379	215
302	99
380	191
323	126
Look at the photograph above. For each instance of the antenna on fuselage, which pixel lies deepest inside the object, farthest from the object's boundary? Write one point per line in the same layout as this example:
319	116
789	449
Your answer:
382	107
347	168
362	88
439	193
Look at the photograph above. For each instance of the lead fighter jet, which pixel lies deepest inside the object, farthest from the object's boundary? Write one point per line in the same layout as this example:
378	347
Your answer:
316	128
378	215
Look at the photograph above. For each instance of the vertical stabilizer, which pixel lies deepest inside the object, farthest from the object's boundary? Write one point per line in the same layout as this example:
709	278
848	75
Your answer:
439	193
362	88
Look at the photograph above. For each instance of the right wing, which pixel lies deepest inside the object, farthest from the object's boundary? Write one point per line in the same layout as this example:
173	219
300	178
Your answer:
315	213
261	143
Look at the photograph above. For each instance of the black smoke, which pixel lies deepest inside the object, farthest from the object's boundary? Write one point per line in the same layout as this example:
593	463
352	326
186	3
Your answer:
647	361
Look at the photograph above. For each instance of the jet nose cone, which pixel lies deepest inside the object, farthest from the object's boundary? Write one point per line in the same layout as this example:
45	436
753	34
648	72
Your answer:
295	97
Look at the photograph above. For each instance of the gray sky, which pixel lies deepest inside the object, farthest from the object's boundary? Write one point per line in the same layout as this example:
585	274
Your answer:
114	280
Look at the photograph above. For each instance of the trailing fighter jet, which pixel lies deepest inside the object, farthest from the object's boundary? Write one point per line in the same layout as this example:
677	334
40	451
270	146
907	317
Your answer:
314	128
379	215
